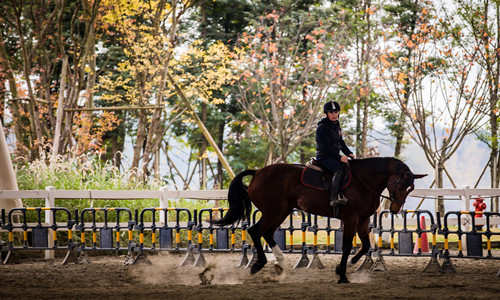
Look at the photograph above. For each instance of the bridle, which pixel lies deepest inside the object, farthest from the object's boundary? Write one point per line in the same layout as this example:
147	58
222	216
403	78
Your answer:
392	196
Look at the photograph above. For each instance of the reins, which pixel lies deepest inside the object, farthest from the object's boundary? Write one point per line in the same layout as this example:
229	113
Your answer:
391	196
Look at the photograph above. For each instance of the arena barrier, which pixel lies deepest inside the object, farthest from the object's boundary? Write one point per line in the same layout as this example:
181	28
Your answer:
175	229
474	238
104	231
405	245
166	230
35	236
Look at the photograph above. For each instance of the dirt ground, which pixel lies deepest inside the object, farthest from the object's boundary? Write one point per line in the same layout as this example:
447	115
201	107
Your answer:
107	278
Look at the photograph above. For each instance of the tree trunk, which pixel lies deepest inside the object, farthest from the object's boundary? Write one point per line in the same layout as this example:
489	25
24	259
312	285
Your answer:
93	69
46	85
364	133
150	148
399	136
36	128
16	115
220	170
494	156
366	60
60	110
359	152
439	180
141	136
203	150
270	155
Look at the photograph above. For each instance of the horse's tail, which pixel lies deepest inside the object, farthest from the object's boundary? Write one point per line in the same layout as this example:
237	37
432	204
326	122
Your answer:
240	206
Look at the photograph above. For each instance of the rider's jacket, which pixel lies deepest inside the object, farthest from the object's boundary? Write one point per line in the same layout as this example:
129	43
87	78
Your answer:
329	140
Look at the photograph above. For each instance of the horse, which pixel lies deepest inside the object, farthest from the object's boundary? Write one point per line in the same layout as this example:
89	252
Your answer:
277	189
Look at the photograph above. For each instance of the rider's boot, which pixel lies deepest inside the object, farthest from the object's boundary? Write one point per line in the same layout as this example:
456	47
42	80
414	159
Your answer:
337	198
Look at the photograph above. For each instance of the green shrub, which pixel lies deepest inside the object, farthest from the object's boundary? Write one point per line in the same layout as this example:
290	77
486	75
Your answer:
91	173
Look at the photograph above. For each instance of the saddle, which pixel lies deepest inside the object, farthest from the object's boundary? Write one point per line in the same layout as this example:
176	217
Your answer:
315	176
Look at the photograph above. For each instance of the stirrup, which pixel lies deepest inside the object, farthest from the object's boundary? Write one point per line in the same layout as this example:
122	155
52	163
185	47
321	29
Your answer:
341	200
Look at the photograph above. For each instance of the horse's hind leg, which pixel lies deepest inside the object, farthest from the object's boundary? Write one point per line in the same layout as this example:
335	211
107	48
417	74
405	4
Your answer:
266	227
364	235
278	254
255	233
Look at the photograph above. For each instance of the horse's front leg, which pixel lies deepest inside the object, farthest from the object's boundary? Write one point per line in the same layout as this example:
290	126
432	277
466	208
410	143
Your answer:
349	231
342	267
364	235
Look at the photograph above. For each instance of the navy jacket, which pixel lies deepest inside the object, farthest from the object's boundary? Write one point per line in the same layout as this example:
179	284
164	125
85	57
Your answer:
329	143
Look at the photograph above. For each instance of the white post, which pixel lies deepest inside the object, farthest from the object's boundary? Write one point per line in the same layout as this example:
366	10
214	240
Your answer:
163	203
49	219
465	207
466	199
7	176
436	178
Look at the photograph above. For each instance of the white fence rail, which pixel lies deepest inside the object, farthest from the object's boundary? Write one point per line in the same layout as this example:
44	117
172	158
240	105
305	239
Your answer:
465	195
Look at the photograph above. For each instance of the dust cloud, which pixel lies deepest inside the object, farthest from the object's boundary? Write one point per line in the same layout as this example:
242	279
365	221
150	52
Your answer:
107	278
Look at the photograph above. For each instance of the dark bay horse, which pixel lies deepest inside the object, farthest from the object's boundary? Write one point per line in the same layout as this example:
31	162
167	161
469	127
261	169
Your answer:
277	189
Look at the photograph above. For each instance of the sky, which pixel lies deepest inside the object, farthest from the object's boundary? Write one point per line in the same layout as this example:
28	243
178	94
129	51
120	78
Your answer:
465	167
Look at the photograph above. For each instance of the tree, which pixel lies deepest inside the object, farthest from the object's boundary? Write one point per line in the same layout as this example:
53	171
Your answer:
402	21
288	67
476	32
147	34
216	22
364	31
47	33
204	71
440	94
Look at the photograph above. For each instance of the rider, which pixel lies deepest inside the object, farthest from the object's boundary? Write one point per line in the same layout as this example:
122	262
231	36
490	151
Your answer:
329	143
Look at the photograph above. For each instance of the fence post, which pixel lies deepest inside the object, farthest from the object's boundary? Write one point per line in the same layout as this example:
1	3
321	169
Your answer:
465	207
163	203
49	219
466	198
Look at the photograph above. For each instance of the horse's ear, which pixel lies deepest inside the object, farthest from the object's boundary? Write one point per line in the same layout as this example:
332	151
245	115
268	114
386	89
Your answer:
417	176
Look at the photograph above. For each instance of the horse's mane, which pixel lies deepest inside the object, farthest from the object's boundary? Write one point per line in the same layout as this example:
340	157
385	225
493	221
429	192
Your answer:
379	164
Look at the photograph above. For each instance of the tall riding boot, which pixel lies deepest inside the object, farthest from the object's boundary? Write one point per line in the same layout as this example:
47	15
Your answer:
336	198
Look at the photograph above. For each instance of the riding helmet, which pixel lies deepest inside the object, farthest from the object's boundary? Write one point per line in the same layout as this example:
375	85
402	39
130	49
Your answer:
330	106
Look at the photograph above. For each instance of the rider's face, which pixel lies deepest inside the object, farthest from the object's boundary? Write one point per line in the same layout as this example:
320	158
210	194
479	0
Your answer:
333	115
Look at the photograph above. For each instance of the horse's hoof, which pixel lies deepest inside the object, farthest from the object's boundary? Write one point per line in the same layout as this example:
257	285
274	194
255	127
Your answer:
343	280
278	269
256	267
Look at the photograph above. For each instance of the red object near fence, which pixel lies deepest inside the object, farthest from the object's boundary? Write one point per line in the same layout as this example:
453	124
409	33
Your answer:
479	207
424	241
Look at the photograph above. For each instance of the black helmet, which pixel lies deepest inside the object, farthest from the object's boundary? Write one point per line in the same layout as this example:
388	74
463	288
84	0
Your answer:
330	106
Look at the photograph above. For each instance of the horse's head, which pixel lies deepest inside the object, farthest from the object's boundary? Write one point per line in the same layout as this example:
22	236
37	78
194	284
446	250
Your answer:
399	186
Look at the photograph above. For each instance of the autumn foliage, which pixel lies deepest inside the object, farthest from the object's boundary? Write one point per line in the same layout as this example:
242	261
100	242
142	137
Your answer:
256	74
